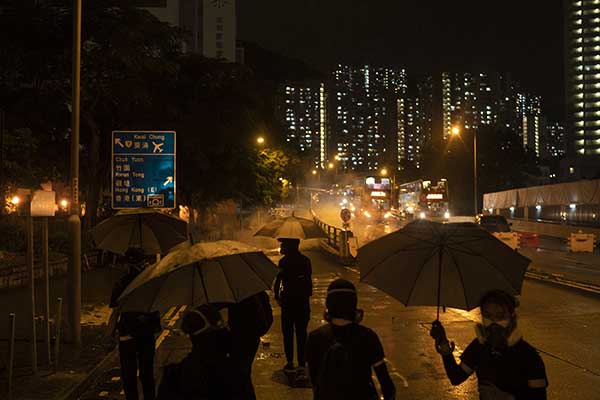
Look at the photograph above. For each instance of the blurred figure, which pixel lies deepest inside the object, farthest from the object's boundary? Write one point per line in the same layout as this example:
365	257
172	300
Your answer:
248	321
206	372
342	354
136	335
507	367
295	273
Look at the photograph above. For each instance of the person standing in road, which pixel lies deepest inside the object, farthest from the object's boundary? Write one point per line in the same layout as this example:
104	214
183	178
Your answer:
207	372
507	367
136	335
342	354
295	274
248	321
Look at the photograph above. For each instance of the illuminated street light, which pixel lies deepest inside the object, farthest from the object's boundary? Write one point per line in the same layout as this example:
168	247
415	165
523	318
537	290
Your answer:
330	165
455	130
260	140
15	200
314	171
63	204
383	171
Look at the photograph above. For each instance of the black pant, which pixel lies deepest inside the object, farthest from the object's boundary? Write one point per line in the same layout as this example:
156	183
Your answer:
295	313
243	353
134	352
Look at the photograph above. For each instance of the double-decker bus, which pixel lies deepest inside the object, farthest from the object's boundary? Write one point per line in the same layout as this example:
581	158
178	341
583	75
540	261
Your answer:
375	198
425	199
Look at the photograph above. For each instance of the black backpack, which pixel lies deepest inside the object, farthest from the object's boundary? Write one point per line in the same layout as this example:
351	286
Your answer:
335	373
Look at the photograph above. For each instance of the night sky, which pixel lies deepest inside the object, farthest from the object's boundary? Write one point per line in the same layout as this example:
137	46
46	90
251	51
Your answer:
523	37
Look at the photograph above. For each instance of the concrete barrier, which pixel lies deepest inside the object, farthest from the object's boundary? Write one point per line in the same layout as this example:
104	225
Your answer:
550	229
511	239
581	242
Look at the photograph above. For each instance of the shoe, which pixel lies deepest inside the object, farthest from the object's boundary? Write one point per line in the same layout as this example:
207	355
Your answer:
289	367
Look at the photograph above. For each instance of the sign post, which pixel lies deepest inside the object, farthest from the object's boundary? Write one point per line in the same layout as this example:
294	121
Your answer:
143	169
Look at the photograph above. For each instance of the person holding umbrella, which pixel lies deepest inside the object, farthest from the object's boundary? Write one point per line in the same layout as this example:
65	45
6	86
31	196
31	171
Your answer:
136	334
507	367
295	273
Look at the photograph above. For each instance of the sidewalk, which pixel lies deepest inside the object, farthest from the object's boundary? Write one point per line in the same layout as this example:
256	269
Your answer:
74	364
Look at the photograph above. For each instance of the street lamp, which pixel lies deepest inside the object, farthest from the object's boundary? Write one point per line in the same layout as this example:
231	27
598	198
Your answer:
456	132
260	140
314	171
384	171
330	165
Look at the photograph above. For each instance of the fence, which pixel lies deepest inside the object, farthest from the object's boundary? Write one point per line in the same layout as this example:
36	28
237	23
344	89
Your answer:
336	241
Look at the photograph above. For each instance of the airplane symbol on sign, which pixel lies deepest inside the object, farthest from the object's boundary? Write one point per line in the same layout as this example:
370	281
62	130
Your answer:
157	147
118	141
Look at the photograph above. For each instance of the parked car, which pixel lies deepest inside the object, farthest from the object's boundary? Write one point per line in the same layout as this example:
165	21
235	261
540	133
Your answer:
494	223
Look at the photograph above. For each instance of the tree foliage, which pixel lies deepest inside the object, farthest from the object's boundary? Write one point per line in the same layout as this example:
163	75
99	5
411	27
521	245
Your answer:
133	77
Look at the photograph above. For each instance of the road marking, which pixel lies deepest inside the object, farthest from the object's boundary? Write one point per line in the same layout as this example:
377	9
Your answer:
173	320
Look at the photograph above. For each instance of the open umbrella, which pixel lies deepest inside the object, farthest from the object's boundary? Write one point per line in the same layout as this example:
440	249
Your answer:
292	227
146	228
212	272
433	264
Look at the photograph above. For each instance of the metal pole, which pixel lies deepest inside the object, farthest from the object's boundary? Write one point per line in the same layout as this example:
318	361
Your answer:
30	268
11	352
1	154
57	329
475	172
74	276
46	285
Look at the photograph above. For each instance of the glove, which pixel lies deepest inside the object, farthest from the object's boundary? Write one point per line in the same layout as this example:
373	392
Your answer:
442	345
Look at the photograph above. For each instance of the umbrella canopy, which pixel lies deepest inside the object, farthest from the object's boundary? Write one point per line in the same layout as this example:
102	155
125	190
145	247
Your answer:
432	264
293	228
145	228
212	272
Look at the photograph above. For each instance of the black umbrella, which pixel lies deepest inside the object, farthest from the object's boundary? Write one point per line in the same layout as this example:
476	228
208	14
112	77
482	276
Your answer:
432	264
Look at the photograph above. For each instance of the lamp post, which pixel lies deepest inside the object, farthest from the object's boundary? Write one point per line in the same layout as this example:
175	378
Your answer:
456	132
74	273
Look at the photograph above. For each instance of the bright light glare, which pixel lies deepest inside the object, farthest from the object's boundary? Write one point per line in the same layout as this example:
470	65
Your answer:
573	206
538	207
330	165
512	209
367	214
260	140
455	130
490	210
383	171
64	203
410	210
447	215
314	171
387	215
15	200
422	215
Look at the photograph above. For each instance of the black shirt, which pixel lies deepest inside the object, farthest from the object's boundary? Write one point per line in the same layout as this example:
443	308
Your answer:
296	275
363	345
509	371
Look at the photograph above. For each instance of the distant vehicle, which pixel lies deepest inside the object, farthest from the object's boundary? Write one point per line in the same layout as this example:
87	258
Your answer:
493	223
375	199
425	199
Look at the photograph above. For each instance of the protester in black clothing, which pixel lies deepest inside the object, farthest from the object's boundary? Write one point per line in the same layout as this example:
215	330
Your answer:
295	273
342	354
248	321
507	367
206	373
136	335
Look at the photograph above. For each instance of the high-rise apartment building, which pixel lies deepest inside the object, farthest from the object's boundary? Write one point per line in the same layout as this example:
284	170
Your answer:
303	112
529	112
552	141
210	24
582	39
363	110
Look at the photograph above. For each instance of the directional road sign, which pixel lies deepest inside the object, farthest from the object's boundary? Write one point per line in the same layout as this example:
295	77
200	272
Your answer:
143	169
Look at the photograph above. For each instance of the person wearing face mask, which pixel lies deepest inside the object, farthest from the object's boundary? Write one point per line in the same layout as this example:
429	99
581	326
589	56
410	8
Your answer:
507	367
343	354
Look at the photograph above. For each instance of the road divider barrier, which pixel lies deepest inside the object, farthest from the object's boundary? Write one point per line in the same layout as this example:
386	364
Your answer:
511	239
582	242
338	241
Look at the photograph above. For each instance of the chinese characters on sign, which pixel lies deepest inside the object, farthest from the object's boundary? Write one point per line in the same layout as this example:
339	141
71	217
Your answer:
143	169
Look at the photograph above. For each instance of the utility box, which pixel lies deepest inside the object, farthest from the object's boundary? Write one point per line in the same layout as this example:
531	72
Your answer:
581	242
511	239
